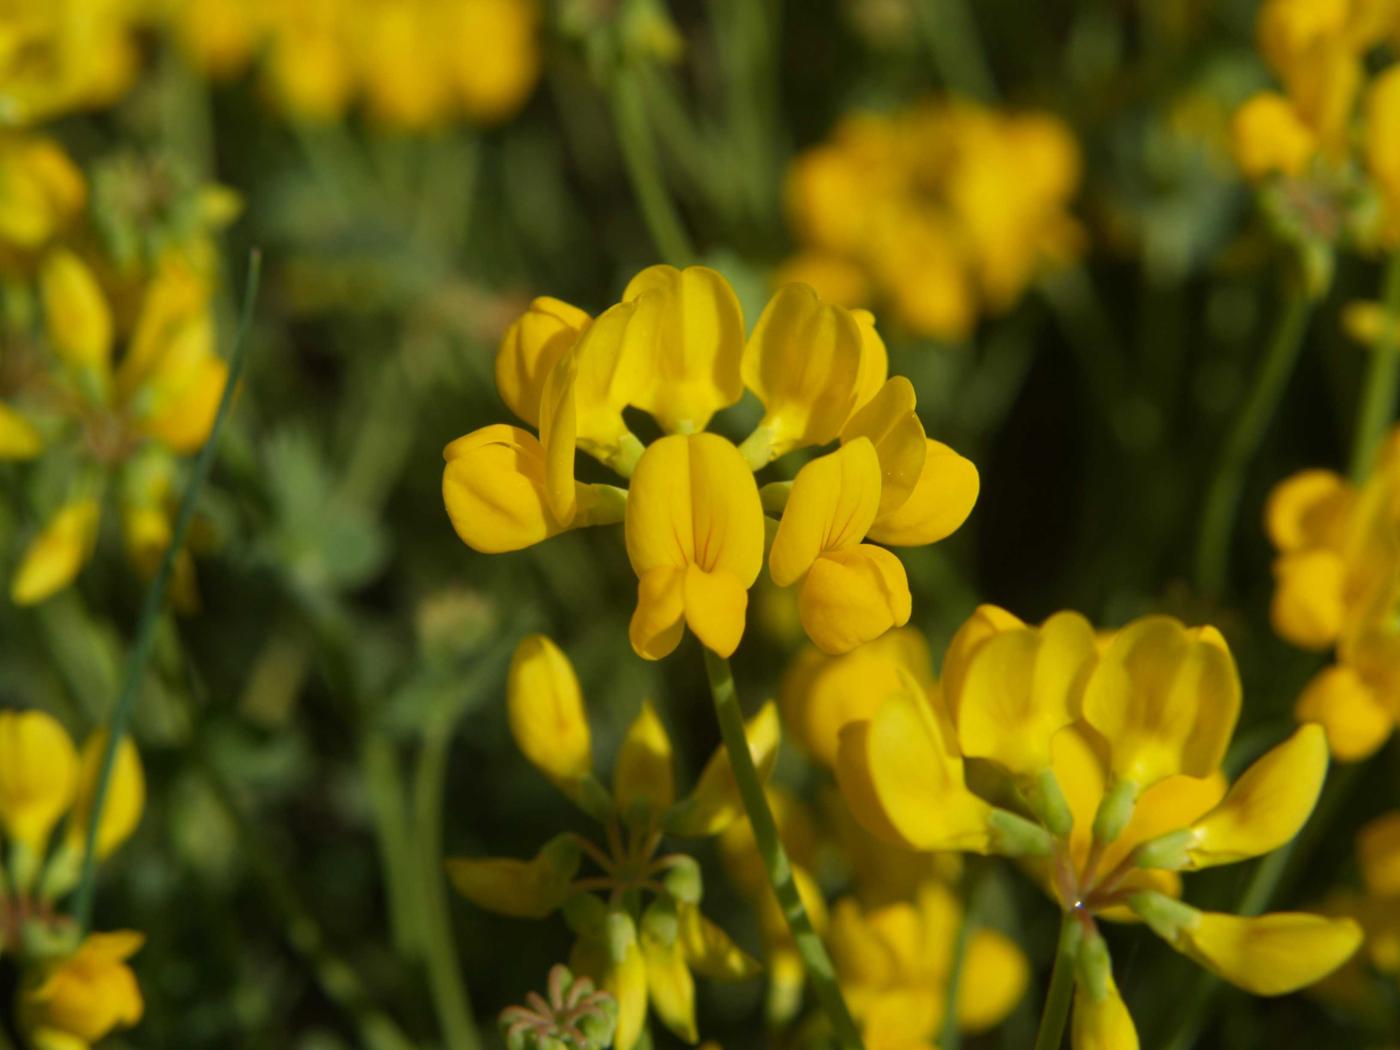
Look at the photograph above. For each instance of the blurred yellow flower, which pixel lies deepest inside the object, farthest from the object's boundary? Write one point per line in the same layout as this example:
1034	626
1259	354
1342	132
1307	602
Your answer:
85	996
38	776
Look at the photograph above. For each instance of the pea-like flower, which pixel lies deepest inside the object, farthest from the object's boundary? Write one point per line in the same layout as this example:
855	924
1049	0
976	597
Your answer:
82	997
674	347
640	932
1107	781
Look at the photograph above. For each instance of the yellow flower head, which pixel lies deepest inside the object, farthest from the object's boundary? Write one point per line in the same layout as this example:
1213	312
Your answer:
38	776
41	191
87	995
56	556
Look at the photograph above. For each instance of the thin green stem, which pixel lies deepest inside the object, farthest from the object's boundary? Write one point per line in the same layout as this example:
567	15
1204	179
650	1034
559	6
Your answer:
775	858
1055	1016
154	603
444	968
1382	379
379	763
644	169
1242	442
956	48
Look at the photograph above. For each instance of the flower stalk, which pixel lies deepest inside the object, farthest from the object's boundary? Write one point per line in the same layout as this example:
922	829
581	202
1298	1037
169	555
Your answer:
1055	1015
1382	379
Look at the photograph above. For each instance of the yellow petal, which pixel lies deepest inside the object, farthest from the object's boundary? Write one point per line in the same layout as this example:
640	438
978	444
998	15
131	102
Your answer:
902	773
54	557
494	487
832	503
709	950
803	361
1267	805
559	437
608	379
942	499
1378	852
1355	720
1166	699
547	717
184	396
125	801
669	984
643	780
888	419
1309	603
18	437
626	979
686	338
38	776
985	622
715	604
76	315
1305	510
874	357
530	349
524	889
88	994
1103	1023
1271	954
1270	137
821	694
659	619
995	975
715	802
1020	688
852	596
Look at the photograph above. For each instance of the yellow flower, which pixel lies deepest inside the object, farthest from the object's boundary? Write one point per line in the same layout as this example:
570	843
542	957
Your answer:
1269	137
893	963
87	995
851	592
77	318
547	718
1356	721
38	776
497	60
19	439
55	557
41	190
694	530
530	349
1101	1019
125	801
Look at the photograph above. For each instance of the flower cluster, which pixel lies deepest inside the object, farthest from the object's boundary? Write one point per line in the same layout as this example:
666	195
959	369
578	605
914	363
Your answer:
1300	143
415	63
73	991
1098	760
1336	586
943	211
640	932
694	517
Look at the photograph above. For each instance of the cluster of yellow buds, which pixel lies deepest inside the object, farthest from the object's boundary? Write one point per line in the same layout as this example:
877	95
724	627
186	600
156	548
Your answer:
1300	143
942	212
415	63
1097	760
640	933
73	991
694	517
1336	586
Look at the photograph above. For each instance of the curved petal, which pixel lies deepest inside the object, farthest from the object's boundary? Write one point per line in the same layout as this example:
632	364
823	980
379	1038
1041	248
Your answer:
888	419
76	315
545	708
19	439
530	349
559	437
38	775
1101	1023
1355	720
1307	510
995	976
832	503
1309	604
985	622
644	777
853	596
659	619
54	558
715	604
125	800
1378	853
494	489
942	499
1270	954
715	802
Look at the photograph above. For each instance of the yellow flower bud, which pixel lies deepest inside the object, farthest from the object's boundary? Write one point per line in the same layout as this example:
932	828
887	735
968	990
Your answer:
531	347
38	776
902	775
644	778
694	530
76	314
851	592
670	987
803	360
1378	851
715	802
1307	510
1102	1022
820	694
1165	698
54	557
1266	806
685	338
546	712
1270	137
125	801
524	889
18	437
1356	721
1019	688
88	994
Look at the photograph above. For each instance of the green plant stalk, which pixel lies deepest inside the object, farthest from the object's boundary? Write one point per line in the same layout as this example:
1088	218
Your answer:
1242	442
644	169
445	979
775	859
154	603
1055	1015
389	802
956	48
1382	380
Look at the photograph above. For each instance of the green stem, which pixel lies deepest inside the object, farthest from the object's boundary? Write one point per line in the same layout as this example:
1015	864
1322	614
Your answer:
956	48
154	603
644	169
1241	444
1055	1015
1382	379
444	968
380	765
775	858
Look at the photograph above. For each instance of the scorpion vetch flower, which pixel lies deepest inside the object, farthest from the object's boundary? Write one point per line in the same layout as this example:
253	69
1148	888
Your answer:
694	529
